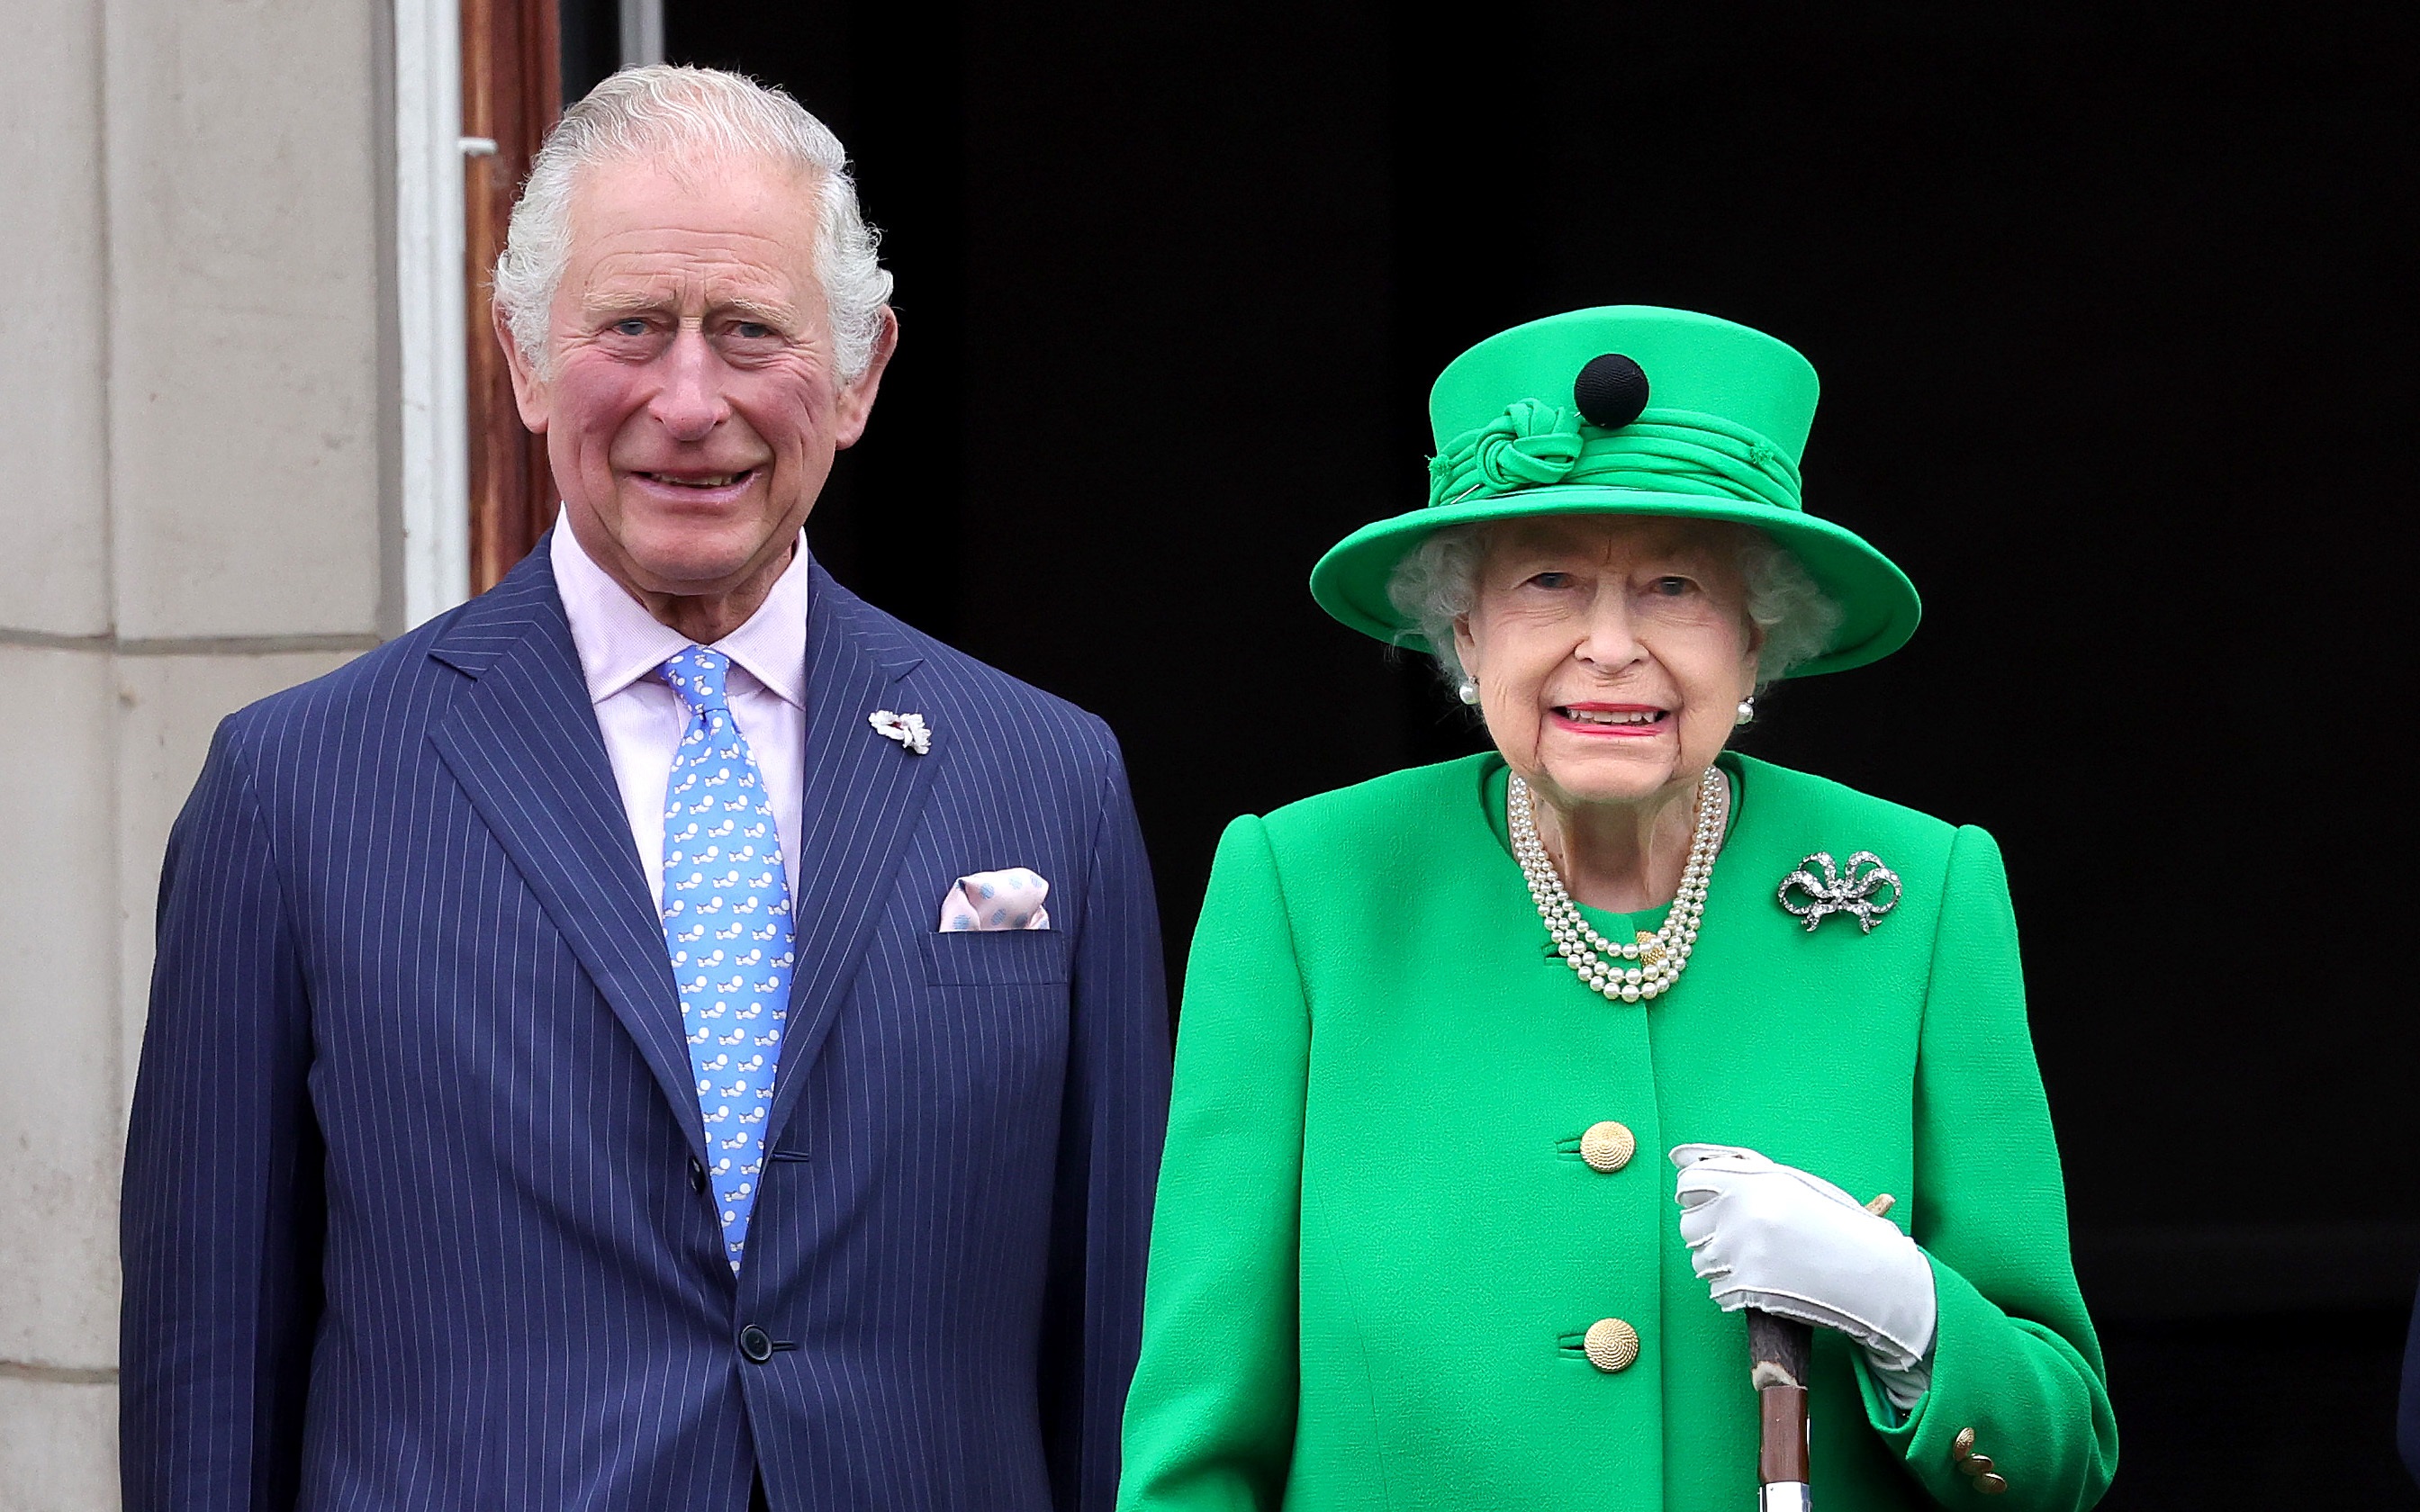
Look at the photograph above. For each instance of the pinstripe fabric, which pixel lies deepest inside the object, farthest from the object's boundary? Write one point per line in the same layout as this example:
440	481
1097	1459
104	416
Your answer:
410	1220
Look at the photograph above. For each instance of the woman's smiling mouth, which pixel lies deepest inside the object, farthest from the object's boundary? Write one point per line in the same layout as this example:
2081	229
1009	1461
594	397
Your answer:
1617	719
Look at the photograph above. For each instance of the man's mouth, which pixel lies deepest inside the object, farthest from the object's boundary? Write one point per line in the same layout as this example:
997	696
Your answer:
700	481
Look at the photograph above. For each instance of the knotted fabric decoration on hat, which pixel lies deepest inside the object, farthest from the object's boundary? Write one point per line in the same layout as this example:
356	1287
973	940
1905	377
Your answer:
1534	444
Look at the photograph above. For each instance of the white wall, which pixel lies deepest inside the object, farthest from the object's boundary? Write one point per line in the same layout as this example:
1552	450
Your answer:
197	413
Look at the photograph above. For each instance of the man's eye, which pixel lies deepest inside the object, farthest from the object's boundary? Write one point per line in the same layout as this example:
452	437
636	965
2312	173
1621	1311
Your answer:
751	330
633	327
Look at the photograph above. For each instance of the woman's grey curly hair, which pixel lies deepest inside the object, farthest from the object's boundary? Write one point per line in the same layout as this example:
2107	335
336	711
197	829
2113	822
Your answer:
1436	585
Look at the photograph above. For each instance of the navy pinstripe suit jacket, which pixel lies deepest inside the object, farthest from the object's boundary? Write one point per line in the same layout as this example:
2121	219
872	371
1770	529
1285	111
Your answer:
414	1217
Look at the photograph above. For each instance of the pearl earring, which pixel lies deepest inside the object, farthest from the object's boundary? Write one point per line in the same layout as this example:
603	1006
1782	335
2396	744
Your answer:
1746	711
1467	691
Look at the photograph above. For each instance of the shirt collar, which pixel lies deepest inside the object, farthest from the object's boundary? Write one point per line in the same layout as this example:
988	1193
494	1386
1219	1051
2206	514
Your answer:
620	643
772	645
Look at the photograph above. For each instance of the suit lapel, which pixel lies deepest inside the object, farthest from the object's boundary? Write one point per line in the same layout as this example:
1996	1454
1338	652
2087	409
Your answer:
524	742
863	794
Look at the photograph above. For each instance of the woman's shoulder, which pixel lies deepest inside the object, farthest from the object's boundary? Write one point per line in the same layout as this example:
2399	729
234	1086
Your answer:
1819	799
1432	812
1380	811
1794	811
1368	829
1356	853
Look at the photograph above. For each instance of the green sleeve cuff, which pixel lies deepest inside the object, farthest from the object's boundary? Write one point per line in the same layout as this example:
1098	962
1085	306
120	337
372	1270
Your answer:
2035	1408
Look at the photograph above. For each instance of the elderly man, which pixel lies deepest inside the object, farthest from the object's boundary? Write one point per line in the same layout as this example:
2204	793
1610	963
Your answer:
664	1034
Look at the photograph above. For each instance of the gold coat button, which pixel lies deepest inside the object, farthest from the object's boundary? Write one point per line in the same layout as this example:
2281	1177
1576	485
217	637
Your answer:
1607	1146
1990	1485
1962	1445
1611	1345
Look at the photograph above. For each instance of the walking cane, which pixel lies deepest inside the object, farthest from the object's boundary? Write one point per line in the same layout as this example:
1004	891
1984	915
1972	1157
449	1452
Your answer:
1777	1351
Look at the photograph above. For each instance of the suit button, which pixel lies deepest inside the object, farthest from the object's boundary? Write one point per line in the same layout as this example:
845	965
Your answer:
755	1343
696	1174
1990	1485
1611	1345
1607	1146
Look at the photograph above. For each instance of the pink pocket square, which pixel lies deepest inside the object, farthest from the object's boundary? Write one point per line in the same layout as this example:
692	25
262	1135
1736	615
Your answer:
996	900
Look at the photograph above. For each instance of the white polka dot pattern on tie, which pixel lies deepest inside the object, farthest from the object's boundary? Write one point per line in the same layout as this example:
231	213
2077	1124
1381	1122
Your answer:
728	925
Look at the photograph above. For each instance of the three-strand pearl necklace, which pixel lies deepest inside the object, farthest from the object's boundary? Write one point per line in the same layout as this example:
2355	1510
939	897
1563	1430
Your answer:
1646	969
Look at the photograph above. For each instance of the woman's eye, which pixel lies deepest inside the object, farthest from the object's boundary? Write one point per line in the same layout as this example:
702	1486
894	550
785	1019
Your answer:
1553	579
1670	587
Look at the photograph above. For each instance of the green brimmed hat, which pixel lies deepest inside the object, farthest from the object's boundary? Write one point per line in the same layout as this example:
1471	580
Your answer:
1627	410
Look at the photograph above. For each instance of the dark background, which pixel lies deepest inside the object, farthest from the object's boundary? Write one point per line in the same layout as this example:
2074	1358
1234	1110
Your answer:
2111	313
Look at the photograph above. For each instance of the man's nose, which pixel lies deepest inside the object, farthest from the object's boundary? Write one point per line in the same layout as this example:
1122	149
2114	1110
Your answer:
691	403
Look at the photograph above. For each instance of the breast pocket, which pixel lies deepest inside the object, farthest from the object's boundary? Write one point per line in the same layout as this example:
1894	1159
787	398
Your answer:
995	958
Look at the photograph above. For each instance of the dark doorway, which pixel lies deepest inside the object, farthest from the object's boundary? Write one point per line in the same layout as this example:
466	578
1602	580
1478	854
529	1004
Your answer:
2111	310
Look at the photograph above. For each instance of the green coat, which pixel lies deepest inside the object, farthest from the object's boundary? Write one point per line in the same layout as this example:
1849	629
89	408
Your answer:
1377	1247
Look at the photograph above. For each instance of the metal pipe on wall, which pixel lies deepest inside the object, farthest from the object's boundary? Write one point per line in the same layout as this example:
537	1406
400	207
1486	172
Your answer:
643	32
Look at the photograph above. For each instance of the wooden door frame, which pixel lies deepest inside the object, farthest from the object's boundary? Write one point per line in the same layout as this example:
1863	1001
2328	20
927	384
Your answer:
512	92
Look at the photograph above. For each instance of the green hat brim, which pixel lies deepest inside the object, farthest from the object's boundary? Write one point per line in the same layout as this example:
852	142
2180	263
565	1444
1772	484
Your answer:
1878	605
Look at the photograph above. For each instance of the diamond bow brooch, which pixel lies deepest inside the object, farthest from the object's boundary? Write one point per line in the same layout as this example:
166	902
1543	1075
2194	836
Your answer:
907	728
1838	890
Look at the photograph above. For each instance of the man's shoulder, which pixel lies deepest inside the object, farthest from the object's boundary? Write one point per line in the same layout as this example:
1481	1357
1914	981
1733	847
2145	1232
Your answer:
399	690
1003	712
383	684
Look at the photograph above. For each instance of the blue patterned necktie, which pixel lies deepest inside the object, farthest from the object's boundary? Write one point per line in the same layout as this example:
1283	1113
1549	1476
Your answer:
727	923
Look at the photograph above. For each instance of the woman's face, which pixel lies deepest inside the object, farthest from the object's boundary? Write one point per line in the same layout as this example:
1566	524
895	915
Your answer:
1610	651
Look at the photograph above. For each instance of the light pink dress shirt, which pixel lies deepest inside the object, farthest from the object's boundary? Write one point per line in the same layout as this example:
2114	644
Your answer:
621	645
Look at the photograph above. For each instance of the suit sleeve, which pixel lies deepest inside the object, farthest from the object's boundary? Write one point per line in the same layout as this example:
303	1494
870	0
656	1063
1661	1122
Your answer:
222	1202
1210	1423
1115	1113
2015	1356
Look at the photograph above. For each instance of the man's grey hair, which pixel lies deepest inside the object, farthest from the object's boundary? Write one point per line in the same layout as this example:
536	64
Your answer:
691	117
1438	582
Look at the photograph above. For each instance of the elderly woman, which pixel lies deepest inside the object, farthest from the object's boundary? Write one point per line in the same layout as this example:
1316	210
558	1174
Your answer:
1406	1253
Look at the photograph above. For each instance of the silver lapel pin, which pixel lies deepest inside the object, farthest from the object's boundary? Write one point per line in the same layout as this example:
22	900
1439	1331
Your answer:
907	728
1837	890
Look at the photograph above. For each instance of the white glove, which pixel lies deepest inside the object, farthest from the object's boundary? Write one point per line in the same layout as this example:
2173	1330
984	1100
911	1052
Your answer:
1780	1240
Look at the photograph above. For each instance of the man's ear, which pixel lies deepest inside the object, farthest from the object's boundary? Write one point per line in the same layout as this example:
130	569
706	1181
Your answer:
856	399
529	395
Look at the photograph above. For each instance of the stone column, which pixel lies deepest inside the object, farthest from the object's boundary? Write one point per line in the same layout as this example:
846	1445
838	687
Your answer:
196	407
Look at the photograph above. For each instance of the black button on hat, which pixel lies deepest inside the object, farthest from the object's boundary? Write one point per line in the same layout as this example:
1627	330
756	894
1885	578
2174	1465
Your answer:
1610	391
